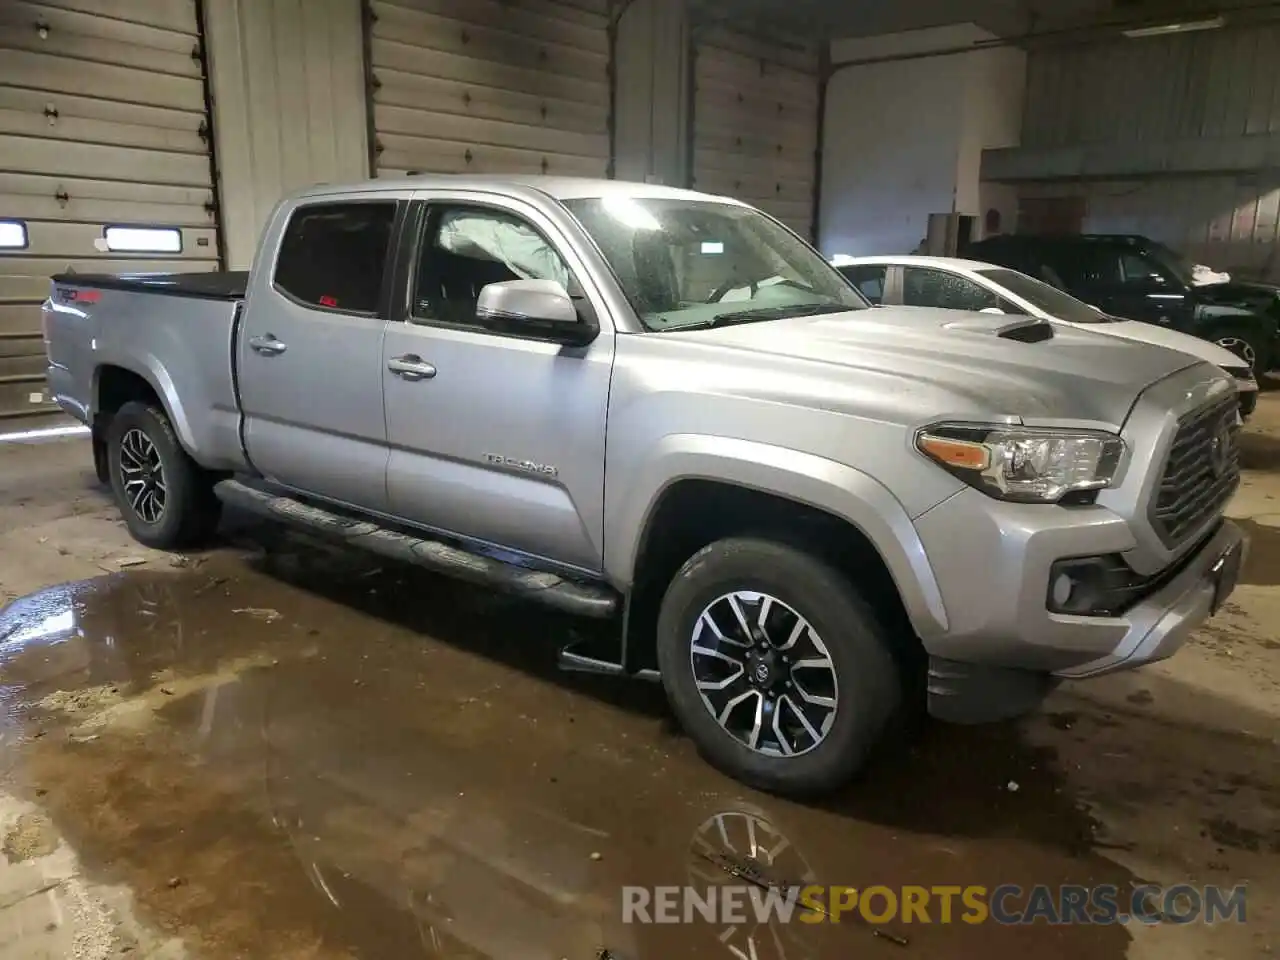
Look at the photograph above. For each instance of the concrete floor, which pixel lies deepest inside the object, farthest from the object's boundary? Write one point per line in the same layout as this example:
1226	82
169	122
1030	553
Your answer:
276	750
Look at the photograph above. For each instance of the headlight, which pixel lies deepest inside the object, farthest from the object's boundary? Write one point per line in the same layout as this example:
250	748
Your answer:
1022	463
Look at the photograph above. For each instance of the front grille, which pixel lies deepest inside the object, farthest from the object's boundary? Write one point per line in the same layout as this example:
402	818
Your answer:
1200	474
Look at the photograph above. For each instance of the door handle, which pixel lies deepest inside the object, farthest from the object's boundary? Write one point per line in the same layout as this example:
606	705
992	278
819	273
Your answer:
267	345
411	367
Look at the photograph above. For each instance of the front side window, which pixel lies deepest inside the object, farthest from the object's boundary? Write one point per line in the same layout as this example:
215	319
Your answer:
1178	265
869	278
464	249
333	255
684	262
927	287
1139	271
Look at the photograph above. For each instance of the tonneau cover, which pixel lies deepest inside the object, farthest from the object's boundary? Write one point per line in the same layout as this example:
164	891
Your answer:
223	285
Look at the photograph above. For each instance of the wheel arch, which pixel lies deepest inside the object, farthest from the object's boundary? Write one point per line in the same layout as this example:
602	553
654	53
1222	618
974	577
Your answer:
115	384
717	487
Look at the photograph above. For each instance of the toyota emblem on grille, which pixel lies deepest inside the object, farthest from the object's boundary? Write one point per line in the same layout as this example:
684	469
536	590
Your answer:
1220	451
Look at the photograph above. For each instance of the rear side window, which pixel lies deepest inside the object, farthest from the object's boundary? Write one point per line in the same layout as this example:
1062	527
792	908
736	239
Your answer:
333	255
869	278
923	287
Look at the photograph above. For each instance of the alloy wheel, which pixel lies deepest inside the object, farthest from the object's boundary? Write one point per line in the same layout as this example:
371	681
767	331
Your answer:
764	673
1241	348
142	476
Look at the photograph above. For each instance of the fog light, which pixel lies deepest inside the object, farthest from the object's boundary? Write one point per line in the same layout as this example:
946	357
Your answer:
1063	586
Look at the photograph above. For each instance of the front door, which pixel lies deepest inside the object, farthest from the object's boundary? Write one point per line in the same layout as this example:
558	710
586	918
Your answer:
1144	290
496	438
1125	283
309	355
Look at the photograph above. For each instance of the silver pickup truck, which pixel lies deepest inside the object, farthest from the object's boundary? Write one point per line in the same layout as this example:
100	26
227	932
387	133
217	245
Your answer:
666	410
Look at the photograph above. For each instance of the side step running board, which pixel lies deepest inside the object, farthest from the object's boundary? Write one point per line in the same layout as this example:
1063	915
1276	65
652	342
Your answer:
582	599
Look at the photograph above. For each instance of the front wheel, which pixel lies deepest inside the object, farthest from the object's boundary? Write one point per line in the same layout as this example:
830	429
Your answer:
780	673
1246	345
165	497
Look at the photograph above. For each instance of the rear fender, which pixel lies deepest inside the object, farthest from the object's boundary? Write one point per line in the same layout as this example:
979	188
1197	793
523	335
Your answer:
149	369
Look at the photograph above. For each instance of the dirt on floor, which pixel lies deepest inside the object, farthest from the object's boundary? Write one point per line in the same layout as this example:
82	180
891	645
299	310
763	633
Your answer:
277	749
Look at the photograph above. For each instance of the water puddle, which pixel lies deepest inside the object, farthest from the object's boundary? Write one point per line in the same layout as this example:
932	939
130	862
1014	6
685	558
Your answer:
345	761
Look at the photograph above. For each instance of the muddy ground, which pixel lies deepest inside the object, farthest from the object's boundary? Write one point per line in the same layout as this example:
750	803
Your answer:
278	750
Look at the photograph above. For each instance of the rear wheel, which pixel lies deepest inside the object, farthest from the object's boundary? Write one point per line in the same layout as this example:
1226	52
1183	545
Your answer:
165	497
779	671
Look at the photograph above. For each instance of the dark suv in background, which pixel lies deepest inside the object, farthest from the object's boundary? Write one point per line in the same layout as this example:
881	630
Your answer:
1140	279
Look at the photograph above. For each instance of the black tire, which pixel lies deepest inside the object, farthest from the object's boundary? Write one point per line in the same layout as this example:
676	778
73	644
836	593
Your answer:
191	512
1241	341
870	684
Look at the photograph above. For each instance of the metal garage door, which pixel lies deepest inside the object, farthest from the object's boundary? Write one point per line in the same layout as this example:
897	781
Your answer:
102	124
755	124
487	86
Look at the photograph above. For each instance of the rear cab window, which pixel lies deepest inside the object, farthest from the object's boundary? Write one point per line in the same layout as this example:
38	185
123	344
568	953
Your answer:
333	256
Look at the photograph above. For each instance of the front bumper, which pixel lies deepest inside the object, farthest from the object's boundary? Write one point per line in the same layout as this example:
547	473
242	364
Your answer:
993	563
1248	402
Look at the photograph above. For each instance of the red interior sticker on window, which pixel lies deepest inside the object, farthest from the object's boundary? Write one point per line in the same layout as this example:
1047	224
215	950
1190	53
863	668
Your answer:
328	301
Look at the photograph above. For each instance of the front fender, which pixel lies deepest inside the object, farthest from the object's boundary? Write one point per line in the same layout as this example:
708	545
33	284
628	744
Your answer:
1211	317
835	488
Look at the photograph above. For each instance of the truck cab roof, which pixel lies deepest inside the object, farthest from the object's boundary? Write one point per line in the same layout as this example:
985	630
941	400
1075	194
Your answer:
559	188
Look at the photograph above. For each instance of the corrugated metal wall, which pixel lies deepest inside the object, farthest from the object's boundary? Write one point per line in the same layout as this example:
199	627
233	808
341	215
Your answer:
102	122
487	86
288	85
1210	87
755	124
1220	83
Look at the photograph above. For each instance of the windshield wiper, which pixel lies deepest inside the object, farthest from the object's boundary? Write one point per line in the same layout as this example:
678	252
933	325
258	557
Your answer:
776	313
760	313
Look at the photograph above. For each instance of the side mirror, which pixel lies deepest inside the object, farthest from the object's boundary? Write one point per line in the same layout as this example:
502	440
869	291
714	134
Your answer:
539	309
995	310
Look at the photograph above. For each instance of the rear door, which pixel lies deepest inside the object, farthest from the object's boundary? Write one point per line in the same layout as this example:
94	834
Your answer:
493	437
309	351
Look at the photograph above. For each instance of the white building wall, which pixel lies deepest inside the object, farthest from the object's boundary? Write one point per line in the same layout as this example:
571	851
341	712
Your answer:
904	137
651	111
288	90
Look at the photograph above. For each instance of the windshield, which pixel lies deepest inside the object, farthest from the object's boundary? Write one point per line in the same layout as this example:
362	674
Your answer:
1041	295
1183	270
686	263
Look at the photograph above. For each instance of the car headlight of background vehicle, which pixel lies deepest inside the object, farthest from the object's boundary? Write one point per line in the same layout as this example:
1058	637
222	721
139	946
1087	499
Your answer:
1023	464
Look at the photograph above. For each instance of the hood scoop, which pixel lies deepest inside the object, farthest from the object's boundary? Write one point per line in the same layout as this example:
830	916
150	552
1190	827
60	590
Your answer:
1024	330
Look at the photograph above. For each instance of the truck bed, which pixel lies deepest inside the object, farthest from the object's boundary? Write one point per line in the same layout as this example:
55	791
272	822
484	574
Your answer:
220	285
174	331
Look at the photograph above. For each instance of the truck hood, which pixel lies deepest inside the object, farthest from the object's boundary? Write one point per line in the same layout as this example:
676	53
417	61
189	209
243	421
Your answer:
1140	332
1075	375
